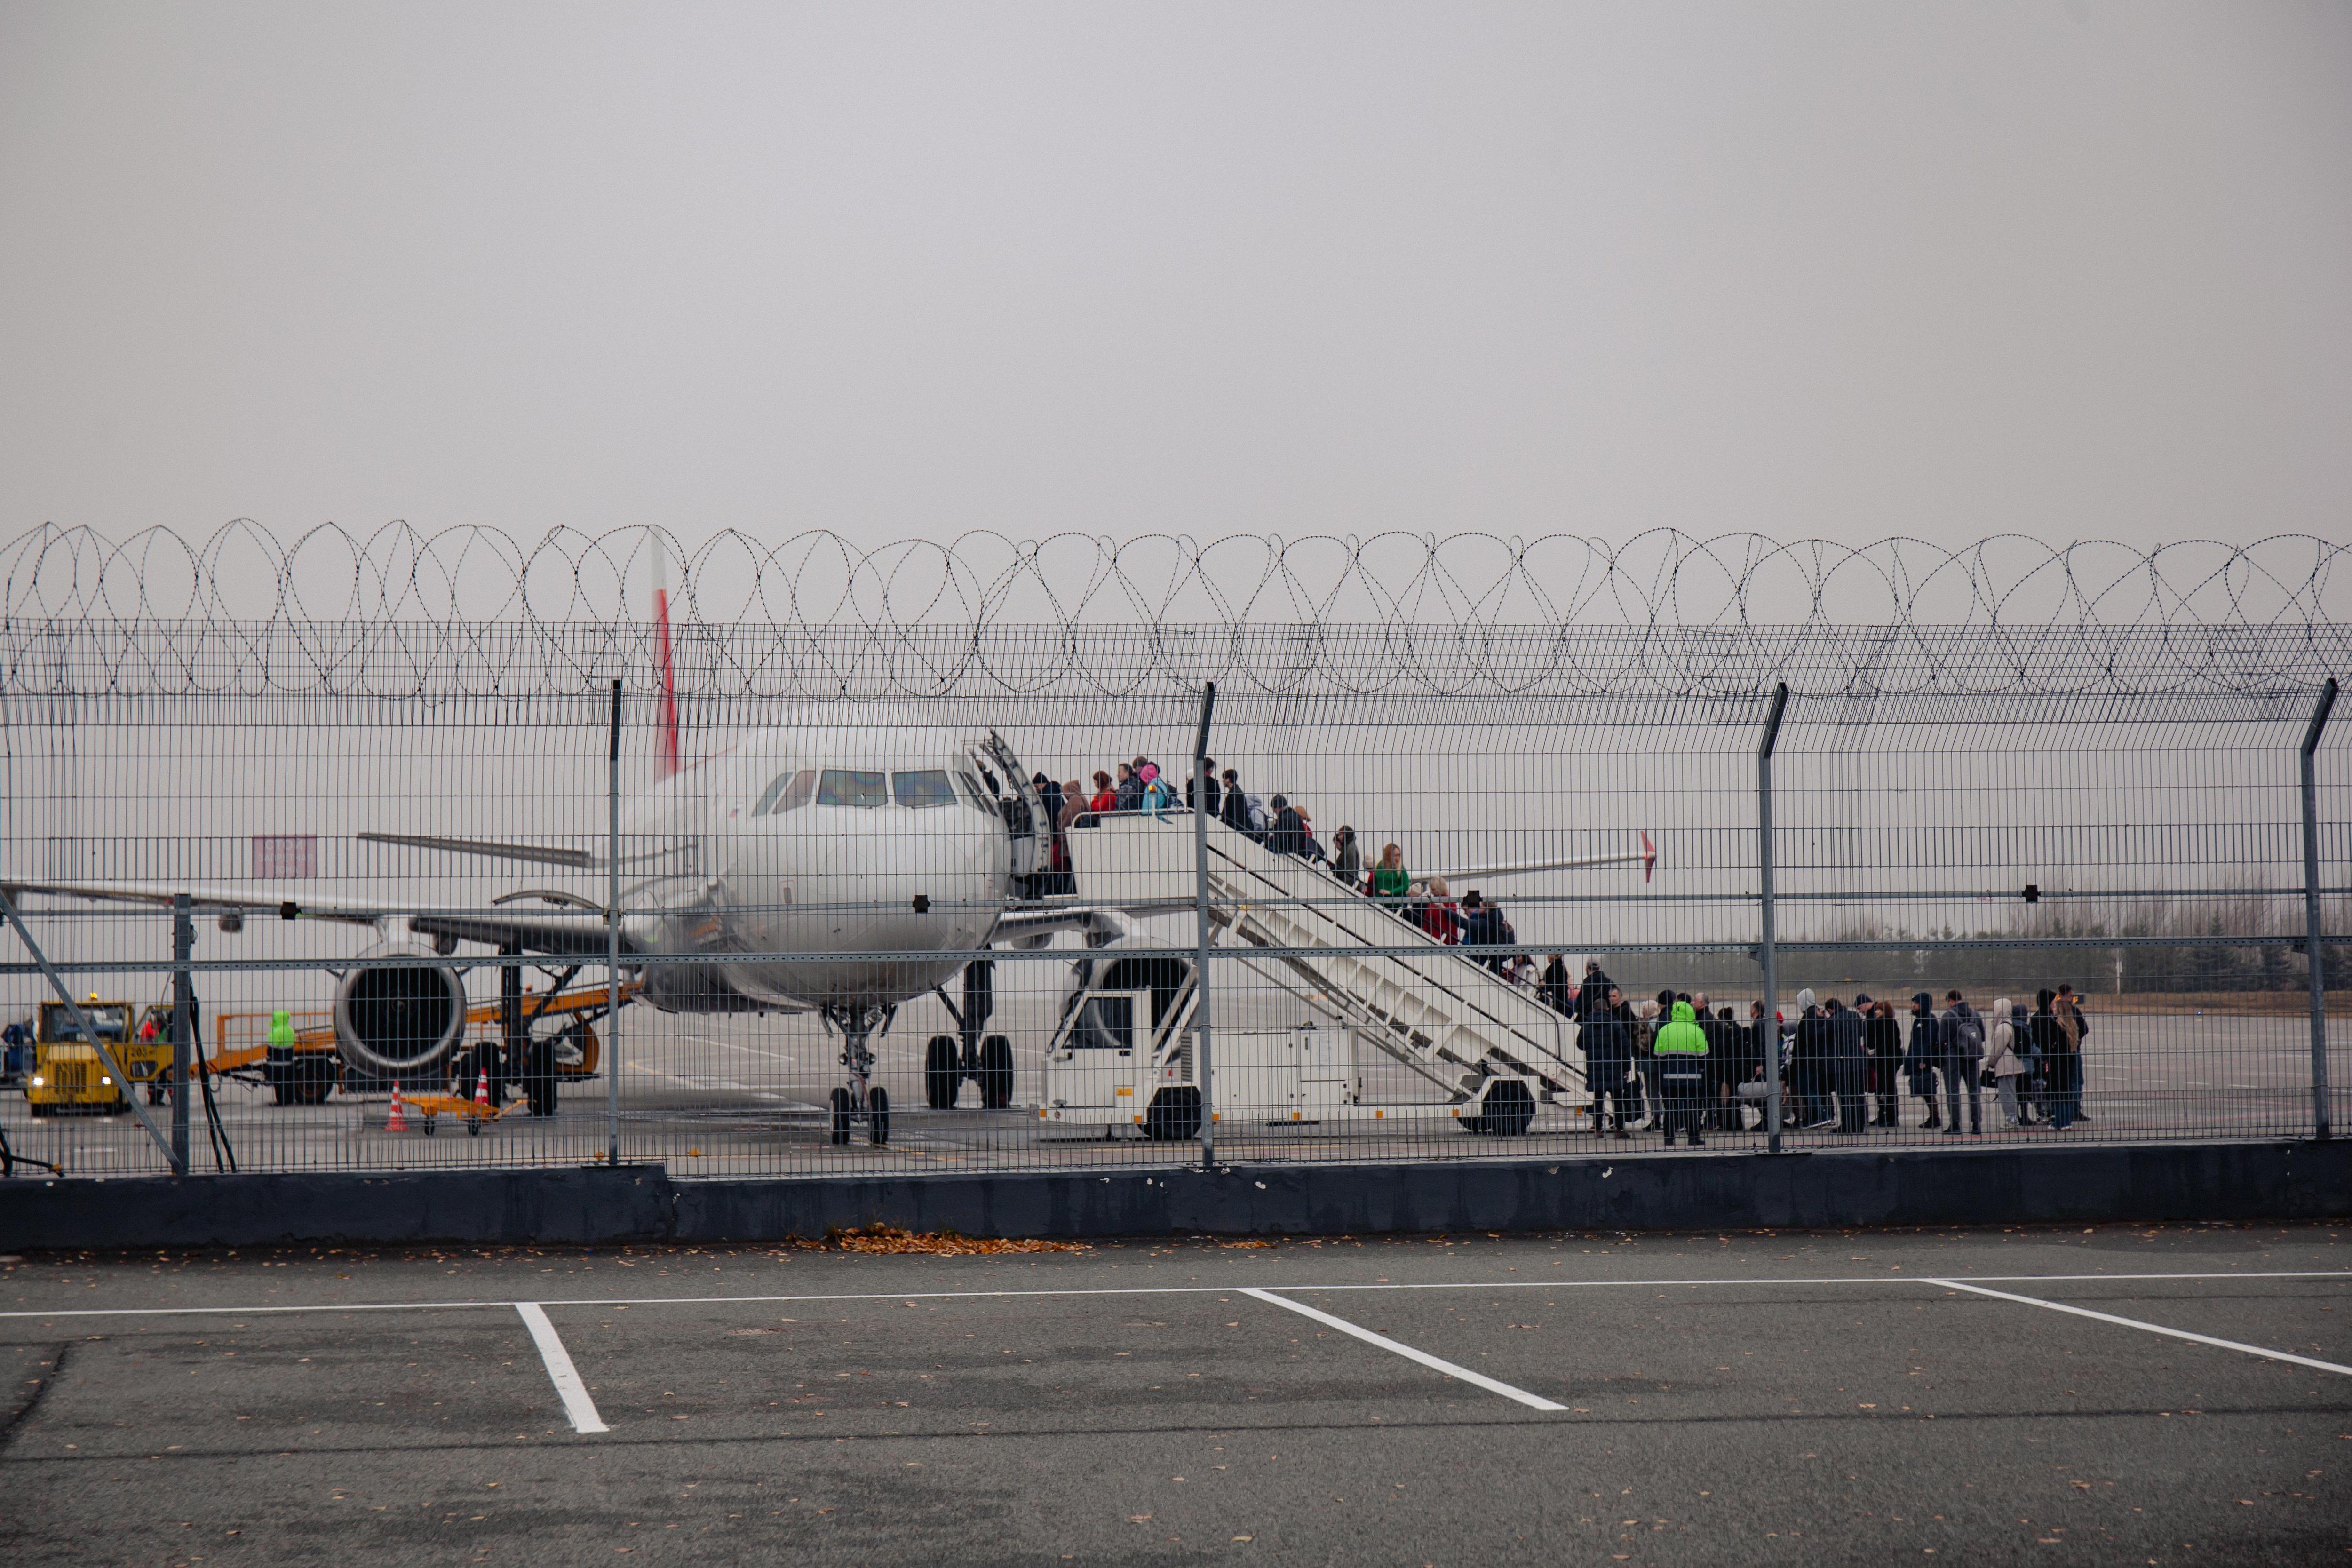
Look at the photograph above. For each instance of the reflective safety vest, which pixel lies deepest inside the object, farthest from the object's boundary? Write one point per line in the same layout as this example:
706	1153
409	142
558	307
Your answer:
282	1031
1682	1037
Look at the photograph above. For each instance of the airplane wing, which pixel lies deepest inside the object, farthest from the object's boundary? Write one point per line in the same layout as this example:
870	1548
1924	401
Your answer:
569	926
1646	858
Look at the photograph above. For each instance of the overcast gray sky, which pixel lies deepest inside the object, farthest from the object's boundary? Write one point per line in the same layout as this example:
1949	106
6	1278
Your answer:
1837	270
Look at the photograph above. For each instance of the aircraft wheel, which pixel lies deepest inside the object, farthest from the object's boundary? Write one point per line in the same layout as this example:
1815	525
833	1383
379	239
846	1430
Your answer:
1174	1116
942	1073
877	1117
996	1072
841	1116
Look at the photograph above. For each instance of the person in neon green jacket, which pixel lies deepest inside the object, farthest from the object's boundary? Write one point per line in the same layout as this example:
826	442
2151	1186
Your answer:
281	1030
1681	1051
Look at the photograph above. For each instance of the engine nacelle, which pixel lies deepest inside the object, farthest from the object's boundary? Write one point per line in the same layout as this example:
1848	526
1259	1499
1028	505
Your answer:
397	1020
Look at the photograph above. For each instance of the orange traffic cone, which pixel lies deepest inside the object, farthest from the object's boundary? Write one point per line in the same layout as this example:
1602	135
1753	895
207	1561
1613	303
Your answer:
398	1121
482	1090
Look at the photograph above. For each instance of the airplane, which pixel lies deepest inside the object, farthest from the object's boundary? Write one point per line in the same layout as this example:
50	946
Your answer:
880	851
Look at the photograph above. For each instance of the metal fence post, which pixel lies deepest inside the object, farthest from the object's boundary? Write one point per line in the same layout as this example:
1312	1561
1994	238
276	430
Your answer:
612	1063
1200	909
2314	941
183	941
1767	948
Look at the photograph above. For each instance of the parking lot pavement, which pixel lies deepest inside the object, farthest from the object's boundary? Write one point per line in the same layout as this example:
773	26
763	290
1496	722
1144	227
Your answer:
1818	1398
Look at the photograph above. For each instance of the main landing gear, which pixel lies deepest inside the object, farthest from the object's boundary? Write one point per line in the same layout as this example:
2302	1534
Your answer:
987	1060
862	1099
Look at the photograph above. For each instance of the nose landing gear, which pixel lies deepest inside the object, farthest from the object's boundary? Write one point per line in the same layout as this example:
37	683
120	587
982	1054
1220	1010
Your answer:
862	1099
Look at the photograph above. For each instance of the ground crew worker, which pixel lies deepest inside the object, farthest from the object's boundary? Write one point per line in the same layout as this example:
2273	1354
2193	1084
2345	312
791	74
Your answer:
1681	1051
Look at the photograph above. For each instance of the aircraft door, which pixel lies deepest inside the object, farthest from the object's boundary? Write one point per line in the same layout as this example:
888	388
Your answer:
1025	809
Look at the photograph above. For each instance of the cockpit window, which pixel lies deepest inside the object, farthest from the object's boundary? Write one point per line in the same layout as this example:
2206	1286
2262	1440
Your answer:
925	789
849	786
789	793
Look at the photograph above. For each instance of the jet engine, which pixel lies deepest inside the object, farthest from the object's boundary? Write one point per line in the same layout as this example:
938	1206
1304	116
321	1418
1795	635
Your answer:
397	1020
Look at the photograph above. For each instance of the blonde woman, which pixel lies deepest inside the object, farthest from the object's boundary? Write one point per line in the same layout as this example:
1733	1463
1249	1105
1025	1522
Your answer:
1391	881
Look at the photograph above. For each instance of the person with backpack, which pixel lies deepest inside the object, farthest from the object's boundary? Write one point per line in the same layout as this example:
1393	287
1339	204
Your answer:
1157	797
1963	1040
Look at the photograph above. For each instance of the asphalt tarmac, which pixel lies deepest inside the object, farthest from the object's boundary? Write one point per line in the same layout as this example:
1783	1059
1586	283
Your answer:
1818	1398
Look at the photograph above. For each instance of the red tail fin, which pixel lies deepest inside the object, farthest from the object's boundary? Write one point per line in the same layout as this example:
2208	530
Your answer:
1649	857
669	762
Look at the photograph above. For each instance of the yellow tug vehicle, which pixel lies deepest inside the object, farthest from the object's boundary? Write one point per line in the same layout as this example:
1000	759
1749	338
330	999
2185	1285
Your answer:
68	1074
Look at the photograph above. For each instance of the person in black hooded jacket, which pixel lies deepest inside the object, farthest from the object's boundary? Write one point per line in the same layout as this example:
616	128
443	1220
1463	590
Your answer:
1234	811
1926	1053
1848	1065
1882	1034
1809	1065
1592	996
1552	986
1287	835
1606	1038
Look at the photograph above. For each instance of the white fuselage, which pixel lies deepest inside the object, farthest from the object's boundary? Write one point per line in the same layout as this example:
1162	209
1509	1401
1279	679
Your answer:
839	841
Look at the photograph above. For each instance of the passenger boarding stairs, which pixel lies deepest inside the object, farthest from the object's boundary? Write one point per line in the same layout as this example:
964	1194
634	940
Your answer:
1430	1006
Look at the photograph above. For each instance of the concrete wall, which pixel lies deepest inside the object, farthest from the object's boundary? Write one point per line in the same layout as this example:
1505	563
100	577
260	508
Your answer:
2085	1184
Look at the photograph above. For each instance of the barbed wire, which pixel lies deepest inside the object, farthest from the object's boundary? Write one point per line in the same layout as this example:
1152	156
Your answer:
472	609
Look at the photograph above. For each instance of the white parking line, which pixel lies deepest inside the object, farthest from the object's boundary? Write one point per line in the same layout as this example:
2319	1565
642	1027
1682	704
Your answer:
2149	1328
560	1369
1491	1385
1165	1290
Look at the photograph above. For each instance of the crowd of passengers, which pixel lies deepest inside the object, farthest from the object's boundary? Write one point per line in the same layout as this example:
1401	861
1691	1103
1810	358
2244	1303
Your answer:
1676	1063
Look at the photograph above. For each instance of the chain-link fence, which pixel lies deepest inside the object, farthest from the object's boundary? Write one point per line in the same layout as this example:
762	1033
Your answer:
928	895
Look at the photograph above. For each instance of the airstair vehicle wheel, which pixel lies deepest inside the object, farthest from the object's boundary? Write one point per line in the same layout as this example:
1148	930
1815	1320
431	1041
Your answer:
942	1073
1510	1110
996	1072
841	1116
1174	1115
877	1117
